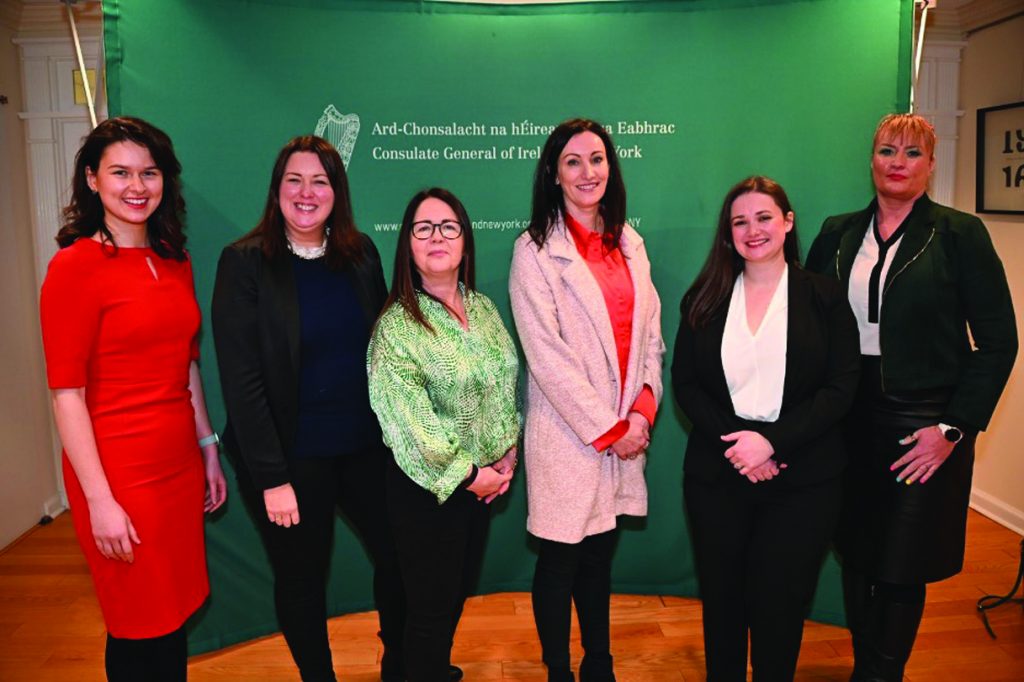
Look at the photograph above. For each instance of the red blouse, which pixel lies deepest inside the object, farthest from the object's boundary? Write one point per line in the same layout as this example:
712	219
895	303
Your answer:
608	266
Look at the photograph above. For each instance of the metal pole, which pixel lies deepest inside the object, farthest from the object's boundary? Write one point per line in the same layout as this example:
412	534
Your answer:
81	64
918	51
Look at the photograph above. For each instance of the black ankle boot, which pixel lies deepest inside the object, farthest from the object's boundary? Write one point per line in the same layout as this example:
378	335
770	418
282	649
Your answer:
560	675
597	669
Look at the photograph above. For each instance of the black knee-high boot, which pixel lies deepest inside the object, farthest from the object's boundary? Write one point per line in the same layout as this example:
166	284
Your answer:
857	602
892	622
156	659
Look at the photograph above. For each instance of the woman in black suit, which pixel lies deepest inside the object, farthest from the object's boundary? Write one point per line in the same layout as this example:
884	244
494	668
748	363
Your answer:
765	367
917	274
293	306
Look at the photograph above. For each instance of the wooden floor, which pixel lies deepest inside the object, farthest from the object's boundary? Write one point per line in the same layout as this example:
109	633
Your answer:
51	628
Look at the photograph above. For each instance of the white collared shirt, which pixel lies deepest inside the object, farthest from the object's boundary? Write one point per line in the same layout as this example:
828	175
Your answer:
755	362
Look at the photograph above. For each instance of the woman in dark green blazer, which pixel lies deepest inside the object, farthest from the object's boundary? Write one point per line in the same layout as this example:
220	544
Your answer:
923	280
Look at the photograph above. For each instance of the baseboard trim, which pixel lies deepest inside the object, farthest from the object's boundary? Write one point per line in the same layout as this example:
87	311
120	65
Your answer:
53	506
997	510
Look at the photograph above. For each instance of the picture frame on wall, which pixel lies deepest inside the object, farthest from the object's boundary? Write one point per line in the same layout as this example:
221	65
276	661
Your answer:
1000	169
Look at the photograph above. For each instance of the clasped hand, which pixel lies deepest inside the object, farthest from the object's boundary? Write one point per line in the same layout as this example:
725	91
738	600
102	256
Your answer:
494	480
751	456
636	440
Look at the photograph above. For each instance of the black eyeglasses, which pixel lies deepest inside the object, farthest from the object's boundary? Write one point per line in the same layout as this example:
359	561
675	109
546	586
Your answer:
424	229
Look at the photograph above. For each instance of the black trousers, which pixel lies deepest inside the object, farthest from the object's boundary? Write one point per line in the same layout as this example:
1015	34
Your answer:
440	549
580	573
156	659
300	555
759	550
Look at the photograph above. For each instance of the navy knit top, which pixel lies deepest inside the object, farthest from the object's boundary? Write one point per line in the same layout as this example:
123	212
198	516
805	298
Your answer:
334	404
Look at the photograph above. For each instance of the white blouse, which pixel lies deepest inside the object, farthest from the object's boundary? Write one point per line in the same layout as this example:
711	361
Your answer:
865	265
755	362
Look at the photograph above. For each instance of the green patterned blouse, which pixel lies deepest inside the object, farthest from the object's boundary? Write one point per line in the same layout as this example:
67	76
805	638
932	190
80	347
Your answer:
445	399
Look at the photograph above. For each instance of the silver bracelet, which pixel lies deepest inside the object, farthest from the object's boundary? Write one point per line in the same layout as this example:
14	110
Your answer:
209	440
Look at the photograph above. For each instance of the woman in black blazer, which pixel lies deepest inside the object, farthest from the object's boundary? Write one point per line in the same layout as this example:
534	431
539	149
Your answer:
293	306
765	367
919	276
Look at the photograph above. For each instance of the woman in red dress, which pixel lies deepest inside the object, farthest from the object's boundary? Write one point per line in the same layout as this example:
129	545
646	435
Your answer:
120	324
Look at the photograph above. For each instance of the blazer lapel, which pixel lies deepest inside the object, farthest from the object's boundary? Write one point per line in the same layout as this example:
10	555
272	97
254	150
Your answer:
639	272
360	283
850	241
797	318
916	237
580	281
287	302
715	334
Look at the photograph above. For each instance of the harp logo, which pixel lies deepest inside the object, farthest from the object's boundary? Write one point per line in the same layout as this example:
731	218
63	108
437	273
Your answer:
339	129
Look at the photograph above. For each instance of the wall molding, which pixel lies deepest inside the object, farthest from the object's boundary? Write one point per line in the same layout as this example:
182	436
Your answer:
979	14
10	14
937	98
54	506
1002	513
49	18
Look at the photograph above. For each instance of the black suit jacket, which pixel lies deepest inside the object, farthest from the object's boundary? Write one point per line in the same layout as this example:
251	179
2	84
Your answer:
944	277
256	330
822	370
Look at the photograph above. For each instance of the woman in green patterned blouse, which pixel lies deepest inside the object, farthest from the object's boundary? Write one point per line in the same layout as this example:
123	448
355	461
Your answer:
443	374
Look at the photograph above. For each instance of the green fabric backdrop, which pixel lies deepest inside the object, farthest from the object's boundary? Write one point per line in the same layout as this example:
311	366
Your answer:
787	88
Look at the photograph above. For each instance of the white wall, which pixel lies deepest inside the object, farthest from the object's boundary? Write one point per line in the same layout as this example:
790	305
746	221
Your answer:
992	73
28	481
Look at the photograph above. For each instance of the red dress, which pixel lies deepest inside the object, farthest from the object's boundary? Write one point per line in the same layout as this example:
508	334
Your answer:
128	336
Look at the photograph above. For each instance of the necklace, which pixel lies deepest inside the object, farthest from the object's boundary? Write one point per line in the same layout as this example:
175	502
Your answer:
308	252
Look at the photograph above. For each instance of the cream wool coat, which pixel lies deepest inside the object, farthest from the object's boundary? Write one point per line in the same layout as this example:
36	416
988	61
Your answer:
573	392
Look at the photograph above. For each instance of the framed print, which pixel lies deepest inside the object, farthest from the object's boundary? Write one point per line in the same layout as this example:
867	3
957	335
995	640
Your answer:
1000	173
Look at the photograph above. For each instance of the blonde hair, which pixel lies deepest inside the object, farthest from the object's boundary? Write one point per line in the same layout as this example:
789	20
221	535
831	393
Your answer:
908	127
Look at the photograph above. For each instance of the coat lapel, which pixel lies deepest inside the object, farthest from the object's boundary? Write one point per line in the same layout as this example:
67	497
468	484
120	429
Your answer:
639	273
850	241
580	281
797	318
916	236
287	301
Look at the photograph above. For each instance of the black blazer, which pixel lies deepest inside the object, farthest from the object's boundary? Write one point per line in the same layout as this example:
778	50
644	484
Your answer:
255	316
944	277
822	370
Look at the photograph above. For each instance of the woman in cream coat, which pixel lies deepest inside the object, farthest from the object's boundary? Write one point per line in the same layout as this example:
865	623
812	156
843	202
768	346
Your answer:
588	317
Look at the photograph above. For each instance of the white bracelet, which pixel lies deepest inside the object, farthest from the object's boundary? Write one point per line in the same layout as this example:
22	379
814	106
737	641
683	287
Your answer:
209	440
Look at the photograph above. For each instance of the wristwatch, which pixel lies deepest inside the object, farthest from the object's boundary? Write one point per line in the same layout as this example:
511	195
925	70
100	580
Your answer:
951	433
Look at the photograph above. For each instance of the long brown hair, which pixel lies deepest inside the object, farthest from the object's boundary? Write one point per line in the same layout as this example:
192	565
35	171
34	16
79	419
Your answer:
548	201
344	242
406	281
713	286
84	215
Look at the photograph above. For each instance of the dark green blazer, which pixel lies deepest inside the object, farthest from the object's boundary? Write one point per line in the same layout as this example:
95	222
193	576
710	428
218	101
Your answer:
944	278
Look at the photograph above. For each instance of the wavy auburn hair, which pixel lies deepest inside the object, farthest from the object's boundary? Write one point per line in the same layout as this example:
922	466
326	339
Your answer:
84	215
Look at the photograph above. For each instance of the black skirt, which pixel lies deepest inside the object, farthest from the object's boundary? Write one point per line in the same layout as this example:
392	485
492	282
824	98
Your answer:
891	531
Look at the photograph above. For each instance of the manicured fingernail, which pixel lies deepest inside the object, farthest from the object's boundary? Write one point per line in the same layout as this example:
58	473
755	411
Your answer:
899	479
909	481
